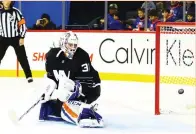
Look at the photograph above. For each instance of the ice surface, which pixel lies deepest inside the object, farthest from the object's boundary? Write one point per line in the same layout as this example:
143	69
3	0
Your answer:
127	108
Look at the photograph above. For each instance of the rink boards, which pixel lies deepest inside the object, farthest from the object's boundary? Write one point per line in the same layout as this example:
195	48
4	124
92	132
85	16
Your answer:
124	56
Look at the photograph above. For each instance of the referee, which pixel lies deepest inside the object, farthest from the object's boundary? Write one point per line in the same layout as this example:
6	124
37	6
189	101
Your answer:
13	30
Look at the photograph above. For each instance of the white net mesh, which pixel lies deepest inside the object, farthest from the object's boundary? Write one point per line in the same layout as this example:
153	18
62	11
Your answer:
177	30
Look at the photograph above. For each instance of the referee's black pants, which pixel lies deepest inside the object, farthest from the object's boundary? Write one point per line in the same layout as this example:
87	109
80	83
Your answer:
19	50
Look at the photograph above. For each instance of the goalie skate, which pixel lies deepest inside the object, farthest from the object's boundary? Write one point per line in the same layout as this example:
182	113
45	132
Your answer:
90	123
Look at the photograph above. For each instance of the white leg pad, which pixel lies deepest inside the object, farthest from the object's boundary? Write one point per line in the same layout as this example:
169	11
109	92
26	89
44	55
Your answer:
70	111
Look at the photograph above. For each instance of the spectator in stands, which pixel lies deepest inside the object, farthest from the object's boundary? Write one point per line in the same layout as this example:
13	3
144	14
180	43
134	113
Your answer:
190	7
176	10
190	17
1	5
167	17
140	21
150	5
163	4
160	6
114	22
153	16
44	23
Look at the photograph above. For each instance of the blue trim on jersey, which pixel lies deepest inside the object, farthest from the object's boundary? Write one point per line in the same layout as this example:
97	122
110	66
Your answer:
68	116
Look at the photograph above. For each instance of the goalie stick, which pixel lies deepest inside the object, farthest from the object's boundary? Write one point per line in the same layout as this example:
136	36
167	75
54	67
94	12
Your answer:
29	109
12	114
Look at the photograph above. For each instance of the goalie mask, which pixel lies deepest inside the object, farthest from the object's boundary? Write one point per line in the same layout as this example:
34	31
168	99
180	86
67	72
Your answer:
69	44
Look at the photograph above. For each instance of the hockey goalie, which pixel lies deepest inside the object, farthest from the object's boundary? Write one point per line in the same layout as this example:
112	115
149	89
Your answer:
72	85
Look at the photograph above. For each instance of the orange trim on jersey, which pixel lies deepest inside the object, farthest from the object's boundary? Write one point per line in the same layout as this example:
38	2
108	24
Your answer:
22	21
69	111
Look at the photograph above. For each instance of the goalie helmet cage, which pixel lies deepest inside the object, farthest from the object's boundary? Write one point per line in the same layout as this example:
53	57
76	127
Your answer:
167	28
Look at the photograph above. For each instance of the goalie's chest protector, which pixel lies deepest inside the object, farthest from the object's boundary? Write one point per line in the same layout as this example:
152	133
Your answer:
64	66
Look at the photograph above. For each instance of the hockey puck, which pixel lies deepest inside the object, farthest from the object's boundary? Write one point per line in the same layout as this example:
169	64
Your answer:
181	91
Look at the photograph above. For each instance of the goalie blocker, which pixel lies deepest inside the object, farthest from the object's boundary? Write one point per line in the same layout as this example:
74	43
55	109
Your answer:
73	85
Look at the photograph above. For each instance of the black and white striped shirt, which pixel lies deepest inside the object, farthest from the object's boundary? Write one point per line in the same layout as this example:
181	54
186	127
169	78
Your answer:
12	23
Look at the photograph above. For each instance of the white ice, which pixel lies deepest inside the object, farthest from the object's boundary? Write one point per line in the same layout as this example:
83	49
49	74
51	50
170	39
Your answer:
127	108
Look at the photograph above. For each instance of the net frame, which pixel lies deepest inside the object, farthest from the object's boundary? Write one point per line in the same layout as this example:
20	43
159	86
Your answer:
157	54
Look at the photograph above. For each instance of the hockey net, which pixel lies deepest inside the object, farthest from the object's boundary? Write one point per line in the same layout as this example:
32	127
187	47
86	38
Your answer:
175	67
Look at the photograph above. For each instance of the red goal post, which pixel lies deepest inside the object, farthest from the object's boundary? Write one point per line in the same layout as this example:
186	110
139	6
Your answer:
176	29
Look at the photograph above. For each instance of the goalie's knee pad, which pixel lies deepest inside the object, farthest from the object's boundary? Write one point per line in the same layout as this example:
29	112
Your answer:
50	111
76	113
90	118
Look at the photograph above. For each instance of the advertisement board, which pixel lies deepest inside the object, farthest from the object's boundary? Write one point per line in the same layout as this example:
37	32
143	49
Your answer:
118	56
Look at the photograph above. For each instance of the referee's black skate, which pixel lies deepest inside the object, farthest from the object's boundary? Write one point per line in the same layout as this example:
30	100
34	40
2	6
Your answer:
30	80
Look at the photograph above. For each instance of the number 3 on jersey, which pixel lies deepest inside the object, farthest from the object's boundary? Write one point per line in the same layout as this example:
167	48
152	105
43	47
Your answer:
85	67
